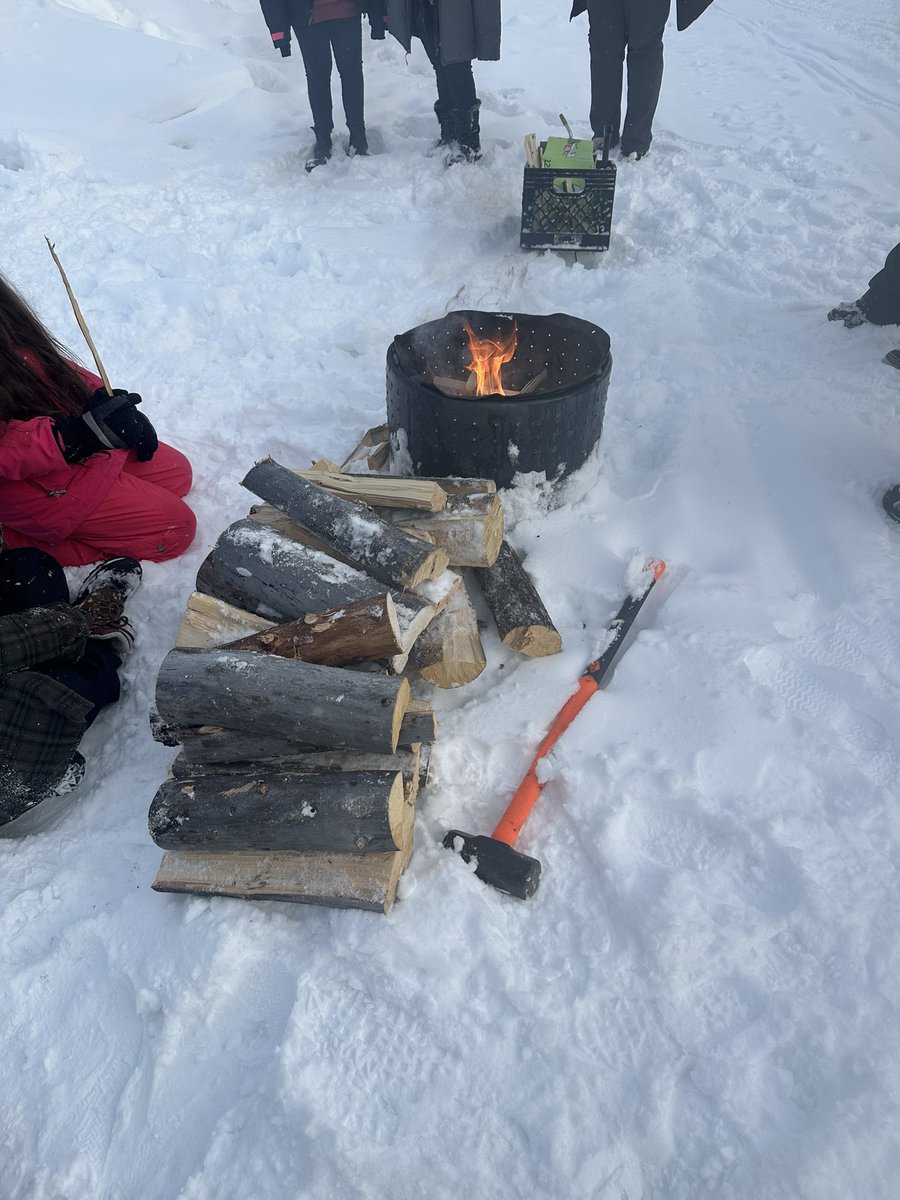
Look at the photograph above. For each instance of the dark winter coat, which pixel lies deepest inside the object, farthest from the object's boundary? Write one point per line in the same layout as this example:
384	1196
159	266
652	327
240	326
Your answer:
41	720
687	11
881	303
281	15
467	29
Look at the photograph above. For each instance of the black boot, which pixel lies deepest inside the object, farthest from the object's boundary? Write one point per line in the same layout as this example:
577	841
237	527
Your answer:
466	134
359	144
443	114
322	151
891	502
892	358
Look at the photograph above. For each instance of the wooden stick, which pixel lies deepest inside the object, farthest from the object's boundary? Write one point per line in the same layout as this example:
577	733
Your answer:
567	127
82	324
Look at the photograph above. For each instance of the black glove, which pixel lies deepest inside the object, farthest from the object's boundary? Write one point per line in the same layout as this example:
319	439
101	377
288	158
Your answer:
109	422
375	10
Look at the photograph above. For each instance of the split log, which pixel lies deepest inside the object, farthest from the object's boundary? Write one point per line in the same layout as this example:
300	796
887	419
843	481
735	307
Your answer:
449	653
378	456
515	605
377	436
358	632
338	811
210	622
355	530
321	706
458	486
383	491
469	528
364	881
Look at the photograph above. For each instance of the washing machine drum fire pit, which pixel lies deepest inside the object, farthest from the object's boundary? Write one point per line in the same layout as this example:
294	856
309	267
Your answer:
492	395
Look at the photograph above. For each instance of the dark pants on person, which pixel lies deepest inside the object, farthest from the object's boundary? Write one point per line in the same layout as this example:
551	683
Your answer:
455	81
31	579
635	26
341	39
881	303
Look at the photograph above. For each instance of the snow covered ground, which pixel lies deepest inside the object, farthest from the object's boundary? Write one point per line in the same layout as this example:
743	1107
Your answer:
701	999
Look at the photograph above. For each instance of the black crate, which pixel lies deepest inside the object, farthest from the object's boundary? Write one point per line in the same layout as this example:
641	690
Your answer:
566	209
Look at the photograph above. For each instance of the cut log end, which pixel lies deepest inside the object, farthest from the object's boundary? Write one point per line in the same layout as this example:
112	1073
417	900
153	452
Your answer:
534	641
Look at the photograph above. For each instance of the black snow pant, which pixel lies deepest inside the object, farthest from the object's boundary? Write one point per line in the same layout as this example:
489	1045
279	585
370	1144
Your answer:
455	81
881	303
29	579
318	42
635	26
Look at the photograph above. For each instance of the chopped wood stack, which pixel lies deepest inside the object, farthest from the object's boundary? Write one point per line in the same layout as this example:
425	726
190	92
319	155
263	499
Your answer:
302	751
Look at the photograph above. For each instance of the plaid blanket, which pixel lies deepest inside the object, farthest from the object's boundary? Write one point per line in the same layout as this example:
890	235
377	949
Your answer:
41	720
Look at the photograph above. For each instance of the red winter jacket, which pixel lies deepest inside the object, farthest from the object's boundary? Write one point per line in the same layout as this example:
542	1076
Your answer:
41	494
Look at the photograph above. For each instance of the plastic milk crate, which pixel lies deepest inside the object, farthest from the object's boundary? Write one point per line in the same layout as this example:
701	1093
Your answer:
568	207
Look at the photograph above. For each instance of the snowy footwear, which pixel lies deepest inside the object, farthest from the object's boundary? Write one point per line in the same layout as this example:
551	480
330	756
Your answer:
850	313
74	774
103	597
322	151
443	114
890	501
358	146
465	143
892	358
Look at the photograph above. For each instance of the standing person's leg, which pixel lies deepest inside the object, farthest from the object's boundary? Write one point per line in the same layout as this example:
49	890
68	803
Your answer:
606	39
645	22
457	105
881	303
315	47
346	44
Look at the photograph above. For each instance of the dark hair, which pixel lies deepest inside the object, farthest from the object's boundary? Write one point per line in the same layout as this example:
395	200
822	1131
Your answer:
44	385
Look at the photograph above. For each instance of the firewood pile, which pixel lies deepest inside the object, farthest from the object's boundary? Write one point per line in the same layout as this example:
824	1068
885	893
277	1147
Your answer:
302	750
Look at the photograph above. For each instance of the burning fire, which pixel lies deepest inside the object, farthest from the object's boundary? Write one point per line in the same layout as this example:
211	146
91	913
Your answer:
488	358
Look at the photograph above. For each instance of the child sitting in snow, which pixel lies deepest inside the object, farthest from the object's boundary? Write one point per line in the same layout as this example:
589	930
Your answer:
58	667
82	474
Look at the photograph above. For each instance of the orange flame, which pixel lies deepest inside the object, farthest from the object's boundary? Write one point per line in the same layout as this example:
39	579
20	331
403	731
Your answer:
488	358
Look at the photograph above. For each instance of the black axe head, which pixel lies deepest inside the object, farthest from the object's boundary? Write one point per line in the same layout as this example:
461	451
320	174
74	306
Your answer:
497	863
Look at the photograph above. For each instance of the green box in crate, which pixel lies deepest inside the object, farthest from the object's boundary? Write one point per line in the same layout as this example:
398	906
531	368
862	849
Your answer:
566	209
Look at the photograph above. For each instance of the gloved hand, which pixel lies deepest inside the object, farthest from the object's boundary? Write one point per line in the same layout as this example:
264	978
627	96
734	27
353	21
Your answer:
283	42
109	422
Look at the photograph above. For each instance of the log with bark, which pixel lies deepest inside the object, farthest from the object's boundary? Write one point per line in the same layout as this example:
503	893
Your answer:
258	569
522	621
408	761
359	632
449	653
301	702
350	811
355	530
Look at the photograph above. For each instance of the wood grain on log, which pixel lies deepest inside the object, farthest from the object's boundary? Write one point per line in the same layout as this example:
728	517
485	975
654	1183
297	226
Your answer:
304	702
470	528
449	653
356	632
353	529
350	811
522	621
383	491
211	622
365	881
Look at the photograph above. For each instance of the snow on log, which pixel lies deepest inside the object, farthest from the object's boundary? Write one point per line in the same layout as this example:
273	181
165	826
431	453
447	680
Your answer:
354	530
351	811
449	653
469	528
302	702
515	605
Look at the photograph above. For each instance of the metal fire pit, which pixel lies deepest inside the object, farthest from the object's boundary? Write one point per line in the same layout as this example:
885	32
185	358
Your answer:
551	430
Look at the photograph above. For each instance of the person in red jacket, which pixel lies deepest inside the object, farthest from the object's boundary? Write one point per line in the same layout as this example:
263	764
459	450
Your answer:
328	31
82	474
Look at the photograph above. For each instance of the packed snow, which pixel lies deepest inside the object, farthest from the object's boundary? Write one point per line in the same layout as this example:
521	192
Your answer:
701	999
